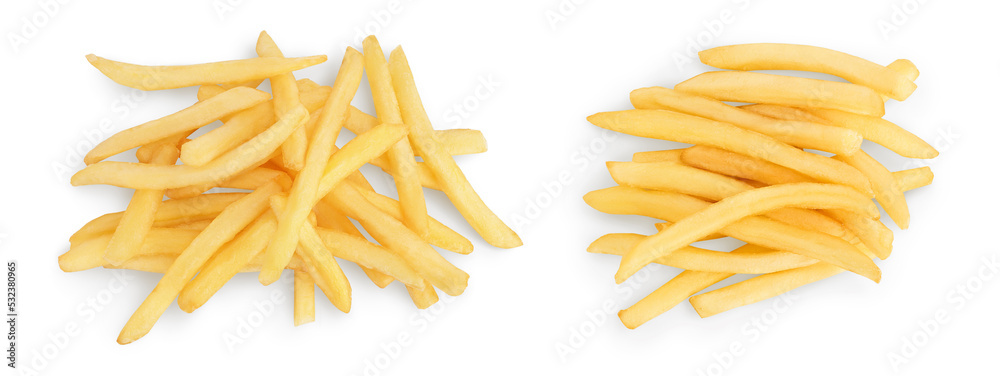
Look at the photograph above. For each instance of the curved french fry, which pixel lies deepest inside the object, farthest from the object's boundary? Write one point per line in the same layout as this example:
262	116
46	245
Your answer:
781	56
752	87
145	77
751	259
887	192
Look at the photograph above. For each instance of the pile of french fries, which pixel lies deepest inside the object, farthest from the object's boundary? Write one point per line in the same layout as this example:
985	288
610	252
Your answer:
290	191
750	175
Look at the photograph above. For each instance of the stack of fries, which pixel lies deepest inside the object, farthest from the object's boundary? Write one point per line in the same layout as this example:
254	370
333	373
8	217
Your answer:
292	190
804	216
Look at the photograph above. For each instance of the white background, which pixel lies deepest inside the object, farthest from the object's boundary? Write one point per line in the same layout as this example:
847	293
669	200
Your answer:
556	63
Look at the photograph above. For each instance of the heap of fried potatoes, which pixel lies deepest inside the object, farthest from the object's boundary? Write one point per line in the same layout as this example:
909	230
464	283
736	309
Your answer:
751	175
290	192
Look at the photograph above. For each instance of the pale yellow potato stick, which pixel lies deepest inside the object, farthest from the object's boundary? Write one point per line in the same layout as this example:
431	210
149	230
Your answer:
361	150
800	134
674	207
226	226
449	175
170	211
242	127
781	56
740	166
752	259
253	179
246	156
329	217
422	298
752	87
145	77
668	176
759	288
778	111
745	204
360	251
89	253
672	155
306	188
673	126
879	131
329	276
400	239
231	259
913	178
161	263
887	192
437	233
208	91
404	165
139	215
304	292
685	284
196	116
286	98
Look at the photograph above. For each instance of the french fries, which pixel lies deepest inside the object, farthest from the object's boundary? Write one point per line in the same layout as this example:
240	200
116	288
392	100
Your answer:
298	191
749	176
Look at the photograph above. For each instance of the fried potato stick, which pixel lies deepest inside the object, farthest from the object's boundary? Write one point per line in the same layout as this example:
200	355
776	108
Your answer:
781	56
752	87
306	186
145	77
196	116
752	259
139	215
450	176
286	98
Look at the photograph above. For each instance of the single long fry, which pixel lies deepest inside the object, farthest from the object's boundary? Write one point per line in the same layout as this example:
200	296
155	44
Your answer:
196	116
759	288
230	222
307	187
752	259
800	134
781	56
453	181
745	204
674	207
887	192
404	165
248	155
139	215
673	126
231	259
304	291
286	97
752	87
144	77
